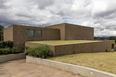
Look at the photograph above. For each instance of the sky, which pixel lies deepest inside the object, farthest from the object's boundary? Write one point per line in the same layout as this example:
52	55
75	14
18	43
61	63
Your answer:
99	14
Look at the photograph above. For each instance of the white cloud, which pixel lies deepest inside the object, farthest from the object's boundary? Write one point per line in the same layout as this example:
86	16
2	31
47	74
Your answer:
100	14
103	7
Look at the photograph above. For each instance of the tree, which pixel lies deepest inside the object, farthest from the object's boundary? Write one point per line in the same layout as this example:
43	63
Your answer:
112	38
1	32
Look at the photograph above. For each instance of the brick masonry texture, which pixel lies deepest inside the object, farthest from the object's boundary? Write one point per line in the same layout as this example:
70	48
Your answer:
17	34
8	33
74	32
62	30
77	48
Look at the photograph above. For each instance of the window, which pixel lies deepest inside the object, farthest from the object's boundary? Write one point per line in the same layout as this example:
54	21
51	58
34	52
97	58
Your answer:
38	33
33	33
30	33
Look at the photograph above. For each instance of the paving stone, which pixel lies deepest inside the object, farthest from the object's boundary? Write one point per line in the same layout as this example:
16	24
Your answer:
19	68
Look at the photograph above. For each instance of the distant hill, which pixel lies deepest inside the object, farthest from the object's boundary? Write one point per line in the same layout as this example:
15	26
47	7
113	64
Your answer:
106	38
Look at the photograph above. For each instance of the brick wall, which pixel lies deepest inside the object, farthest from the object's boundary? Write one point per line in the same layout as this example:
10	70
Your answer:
8	33
77	48
17	34
62	30
74	32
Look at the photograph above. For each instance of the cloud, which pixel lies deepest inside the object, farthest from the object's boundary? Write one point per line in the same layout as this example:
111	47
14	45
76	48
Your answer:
100	14
103	7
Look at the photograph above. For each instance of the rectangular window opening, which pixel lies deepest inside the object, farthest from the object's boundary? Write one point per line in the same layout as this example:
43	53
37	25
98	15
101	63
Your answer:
112	46
33	33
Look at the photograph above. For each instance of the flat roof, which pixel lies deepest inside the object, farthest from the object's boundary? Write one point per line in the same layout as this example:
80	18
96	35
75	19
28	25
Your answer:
69	24
63	42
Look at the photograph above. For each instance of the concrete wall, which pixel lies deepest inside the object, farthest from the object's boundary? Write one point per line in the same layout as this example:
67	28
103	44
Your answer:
77	48
76	69
10	57
19	34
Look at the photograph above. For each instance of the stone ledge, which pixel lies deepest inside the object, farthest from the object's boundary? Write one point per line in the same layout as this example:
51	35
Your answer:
83	71
10	57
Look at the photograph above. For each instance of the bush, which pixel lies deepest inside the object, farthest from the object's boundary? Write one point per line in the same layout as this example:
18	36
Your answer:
9	44
5	51
109	50
42	51
15	50
6	44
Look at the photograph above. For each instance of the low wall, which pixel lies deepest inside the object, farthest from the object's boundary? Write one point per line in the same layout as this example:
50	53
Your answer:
84	71
9	57
77	48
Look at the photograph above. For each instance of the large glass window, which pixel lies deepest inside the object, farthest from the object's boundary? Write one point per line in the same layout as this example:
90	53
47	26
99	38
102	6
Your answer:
38	33
30	33
33	33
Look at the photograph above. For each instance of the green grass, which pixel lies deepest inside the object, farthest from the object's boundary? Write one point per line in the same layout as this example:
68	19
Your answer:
105	61
63	42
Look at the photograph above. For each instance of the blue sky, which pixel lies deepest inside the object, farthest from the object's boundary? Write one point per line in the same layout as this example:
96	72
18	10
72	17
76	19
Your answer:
100	14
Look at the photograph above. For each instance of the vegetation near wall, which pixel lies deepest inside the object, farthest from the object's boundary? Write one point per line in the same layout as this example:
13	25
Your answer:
109	50
6	44
106	38
112	38
1	32
6	47
42	51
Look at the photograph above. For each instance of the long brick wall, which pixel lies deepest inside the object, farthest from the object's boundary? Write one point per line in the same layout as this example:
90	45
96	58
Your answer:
74	32
17	34
77	48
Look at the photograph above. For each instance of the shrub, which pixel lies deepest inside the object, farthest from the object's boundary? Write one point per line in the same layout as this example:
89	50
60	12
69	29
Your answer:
9	44
15	50
109	50
5	51
6	44
42	51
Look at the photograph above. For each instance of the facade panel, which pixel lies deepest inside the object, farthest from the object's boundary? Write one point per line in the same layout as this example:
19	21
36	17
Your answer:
75	32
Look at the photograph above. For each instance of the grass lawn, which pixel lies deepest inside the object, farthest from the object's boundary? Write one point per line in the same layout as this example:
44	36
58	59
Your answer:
63	42
105	61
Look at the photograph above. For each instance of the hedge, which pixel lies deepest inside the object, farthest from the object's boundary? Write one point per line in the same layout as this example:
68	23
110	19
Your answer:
110	50
13	50
42	51
6	44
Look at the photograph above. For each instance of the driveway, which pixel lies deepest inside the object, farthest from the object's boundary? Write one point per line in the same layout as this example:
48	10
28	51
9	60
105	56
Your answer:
18	68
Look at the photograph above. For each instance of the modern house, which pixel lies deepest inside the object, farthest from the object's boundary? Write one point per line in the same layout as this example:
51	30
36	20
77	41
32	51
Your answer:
20	34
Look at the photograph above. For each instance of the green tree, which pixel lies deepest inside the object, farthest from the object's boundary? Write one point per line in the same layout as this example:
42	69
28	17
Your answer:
1	32
112	38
